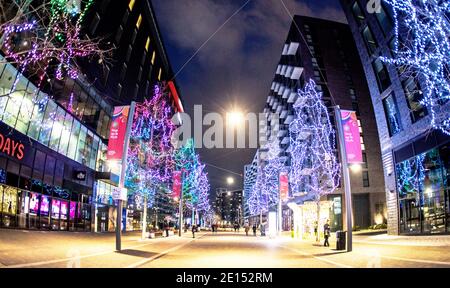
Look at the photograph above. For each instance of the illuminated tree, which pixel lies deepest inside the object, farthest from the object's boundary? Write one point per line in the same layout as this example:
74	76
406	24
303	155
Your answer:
422	50
315	168
44	38
273	166
150	155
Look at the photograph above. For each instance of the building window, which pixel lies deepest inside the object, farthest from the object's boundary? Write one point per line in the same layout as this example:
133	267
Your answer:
381	74
364	158
392	114
365	177
357	13
131	4
128	55
147	44
384	20
413	95
123	72
139	21
371	44
159	74
153	57
119	89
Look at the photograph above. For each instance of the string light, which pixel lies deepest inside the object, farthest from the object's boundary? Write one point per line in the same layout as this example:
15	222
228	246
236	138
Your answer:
426	51
315	170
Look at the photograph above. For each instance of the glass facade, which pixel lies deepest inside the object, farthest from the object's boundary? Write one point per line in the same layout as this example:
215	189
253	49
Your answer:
423	192
52	210
32	113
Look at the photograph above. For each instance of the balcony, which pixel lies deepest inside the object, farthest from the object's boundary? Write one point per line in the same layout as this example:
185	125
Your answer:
296	73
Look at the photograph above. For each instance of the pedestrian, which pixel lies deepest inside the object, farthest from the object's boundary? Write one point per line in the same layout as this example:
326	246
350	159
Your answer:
326	233
194	228
166	228
316	228
254	229
246	230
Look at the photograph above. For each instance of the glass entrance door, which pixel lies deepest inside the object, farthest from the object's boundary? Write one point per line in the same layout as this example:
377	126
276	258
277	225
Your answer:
409	216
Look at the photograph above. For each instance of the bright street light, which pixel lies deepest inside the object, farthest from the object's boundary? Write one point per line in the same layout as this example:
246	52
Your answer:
235	118
230	180
356	167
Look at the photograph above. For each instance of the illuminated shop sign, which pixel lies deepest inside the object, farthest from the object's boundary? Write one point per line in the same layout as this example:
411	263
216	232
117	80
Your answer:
11	147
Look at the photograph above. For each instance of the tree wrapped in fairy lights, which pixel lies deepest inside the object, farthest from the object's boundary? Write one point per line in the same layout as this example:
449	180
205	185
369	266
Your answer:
273	166
422	50
150	155
315	170
44	38
258	201
195	183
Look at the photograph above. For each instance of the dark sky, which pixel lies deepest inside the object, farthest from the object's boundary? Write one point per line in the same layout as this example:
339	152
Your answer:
236	66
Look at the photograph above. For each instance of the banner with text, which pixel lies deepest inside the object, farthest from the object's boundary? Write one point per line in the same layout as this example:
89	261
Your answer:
118	130
284	186
176	189
352	136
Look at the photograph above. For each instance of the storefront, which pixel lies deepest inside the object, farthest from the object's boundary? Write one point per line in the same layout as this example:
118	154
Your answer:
31	210
423	192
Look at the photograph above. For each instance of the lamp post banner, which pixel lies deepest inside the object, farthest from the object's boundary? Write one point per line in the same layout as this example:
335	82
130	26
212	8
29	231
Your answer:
284	186
352	136
118	130
176	188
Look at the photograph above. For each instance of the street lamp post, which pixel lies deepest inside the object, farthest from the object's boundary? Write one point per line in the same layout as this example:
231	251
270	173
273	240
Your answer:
346	176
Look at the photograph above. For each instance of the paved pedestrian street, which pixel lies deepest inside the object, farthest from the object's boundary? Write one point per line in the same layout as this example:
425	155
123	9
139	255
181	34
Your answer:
20	249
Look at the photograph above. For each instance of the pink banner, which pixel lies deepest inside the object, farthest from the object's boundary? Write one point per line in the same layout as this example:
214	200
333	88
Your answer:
176	189
352	136
284	186
117	133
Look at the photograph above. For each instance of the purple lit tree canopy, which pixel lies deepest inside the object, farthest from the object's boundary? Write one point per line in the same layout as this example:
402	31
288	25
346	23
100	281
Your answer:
273	166
150	155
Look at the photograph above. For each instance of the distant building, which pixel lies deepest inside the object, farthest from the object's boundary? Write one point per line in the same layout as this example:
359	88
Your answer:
408	147
228	205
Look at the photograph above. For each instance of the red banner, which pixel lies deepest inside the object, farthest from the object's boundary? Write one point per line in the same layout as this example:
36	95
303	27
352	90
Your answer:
352	136
176	189
117	132
284	186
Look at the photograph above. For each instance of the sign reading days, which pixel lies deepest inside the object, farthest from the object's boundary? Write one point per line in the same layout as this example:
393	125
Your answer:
117	133
11	147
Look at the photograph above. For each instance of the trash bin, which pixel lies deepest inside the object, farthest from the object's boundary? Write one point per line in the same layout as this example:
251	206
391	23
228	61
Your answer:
340	240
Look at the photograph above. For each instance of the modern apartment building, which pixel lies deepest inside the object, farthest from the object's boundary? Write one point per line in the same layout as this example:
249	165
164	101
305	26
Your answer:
325	52
415	157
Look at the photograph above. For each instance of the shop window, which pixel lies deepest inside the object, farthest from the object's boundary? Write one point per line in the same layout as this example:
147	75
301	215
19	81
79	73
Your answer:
9	206
49	170
58	126
65	134
392	114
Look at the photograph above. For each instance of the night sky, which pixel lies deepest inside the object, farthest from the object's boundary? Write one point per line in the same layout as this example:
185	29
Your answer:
236	66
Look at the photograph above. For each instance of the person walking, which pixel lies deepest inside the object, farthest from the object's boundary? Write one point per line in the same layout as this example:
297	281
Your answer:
254	229
316	231
326	233
194	229
246	230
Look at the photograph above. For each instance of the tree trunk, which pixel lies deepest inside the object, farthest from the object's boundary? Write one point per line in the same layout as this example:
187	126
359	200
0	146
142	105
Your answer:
144	219
318	221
